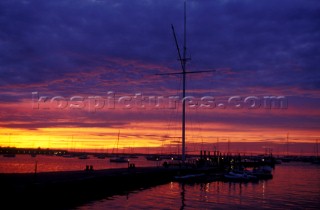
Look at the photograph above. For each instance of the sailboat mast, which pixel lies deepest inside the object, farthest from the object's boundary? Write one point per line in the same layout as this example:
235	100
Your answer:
118	141
184	61
317	150
287	144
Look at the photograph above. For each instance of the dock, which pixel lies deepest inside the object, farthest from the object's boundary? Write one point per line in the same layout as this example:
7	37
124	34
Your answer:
68	189
54	190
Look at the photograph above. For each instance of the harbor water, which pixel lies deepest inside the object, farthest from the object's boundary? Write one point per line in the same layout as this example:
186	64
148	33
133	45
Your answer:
295	185
46	163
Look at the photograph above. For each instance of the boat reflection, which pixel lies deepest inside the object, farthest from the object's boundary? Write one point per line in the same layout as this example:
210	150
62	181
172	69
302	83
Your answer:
214	193
182	193
288	187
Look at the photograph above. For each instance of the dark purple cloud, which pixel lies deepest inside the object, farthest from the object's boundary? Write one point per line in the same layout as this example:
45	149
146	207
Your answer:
45	40
87	47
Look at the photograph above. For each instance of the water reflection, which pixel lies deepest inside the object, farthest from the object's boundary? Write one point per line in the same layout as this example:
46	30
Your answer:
45	163
300	191
216	193
183	192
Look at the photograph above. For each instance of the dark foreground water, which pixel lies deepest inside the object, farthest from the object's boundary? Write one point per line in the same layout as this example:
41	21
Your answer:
294	186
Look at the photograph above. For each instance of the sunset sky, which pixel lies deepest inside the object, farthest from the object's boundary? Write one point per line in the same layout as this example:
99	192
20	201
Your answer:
76	73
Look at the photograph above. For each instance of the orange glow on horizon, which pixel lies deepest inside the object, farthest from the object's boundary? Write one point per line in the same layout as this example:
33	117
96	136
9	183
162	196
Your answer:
141	135
147	132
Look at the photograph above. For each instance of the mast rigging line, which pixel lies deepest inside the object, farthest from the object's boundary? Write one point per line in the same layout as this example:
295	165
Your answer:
183	60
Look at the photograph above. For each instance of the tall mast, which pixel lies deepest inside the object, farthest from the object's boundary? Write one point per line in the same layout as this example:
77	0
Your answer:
317	150
118	140
287	144
184	61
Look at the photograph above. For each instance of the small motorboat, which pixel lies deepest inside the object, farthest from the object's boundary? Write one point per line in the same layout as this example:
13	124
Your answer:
83	157
189	177
263	172
232	176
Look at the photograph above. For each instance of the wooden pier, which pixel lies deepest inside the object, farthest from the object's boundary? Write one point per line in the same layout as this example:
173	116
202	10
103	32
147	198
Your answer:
53	190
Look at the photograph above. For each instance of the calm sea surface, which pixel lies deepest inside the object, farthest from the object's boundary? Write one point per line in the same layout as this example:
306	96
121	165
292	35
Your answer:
44	163
295	185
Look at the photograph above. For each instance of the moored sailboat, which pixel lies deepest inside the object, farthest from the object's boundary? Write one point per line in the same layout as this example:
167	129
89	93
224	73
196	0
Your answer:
117	158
